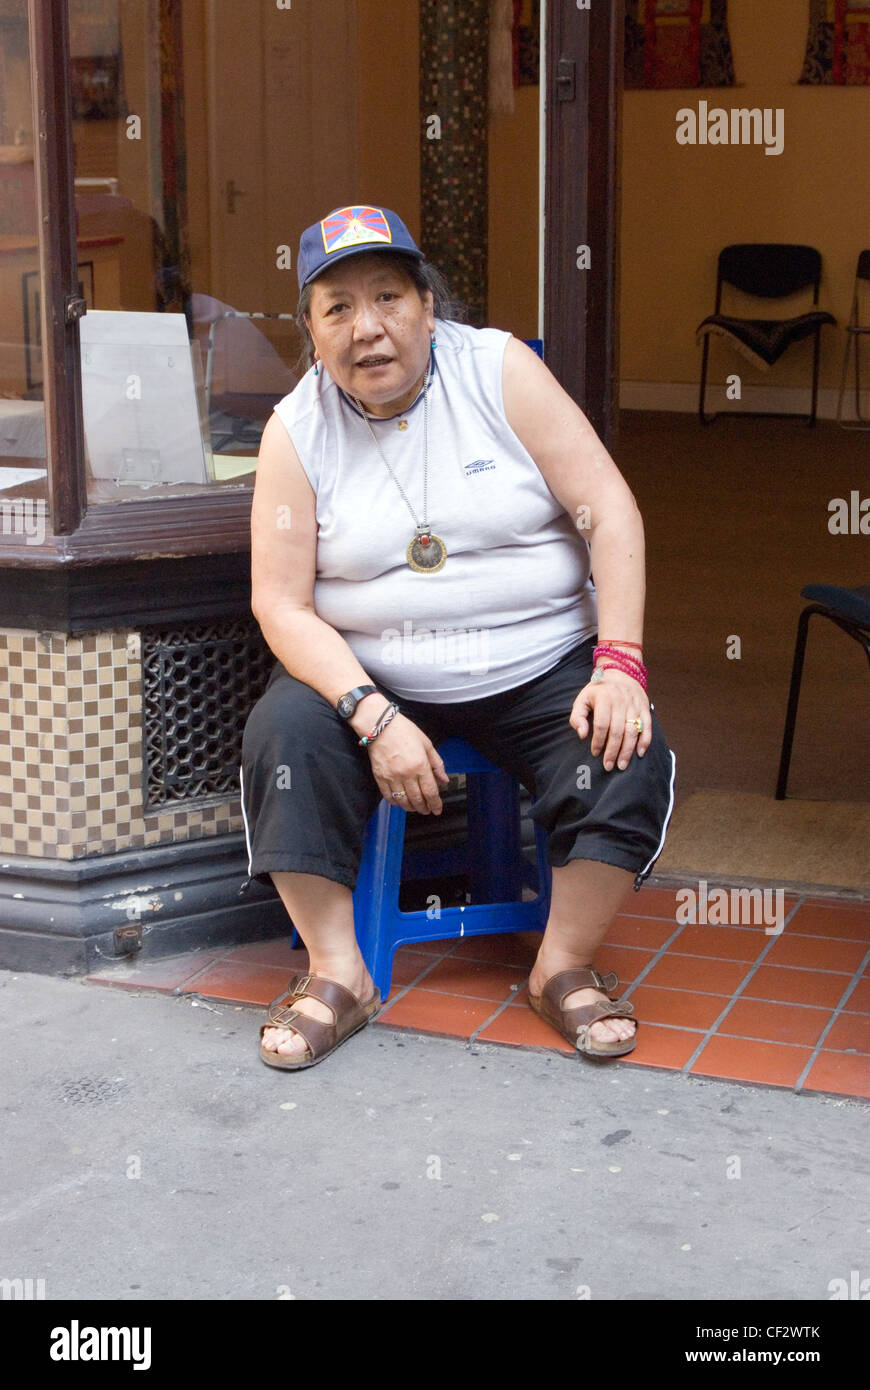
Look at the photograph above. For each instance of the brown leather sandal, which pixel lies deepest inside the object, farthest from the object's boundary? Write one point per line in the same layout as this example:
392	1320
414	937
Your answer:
348	1016
574	1024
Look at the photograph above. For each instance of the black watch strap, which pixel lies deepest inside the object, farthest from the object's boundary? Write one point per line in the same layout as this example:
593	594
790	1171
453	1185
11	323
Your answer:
347	704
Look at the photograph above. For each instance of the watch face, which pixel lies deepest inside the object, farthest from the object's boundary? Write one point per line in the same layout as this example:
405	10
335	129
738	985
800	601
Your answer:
346	706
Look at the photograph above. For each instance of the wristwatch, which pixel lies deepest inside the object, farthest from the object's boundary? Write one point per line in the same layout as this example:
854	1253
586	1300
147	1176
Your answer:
347	704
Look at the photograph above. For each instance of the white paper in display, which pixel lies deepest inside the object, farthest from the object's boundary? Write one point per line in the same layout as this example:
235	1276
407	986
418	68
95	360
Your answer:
139	401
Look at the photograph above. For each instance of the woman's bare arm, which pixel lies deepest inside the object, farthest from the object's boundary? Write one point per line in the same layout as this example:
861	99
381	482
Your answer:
582	476
283	564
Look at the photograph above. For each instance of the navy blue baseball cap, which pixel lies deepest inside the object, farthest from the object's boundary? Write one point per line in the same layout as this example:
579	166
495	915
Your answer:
346	232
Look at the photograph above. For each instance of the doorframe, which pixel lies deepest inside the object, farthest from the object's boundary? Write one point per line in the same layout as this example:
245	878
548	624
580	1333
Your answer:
581	308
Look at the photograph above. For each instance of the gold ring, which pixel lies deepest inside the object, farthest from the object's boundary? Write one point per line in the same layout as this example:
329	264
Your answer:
634	724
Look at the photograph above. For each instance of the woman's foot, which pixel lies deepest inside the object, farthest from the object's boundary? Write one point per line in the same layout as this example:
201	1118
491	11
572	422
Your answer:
607	1030
350	973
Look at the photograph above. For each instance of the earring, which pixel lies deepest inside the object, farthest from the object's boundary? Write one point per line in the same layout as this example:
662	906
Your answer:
434	344
316	372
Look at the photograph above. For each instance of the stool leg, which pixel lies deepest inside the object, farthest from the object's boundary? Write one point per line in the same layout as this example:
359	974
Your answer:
376	896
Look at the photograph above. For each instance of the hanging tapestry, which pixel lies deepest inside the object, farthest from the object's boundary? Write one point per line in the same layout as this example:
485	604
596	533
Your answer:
677	43
838	44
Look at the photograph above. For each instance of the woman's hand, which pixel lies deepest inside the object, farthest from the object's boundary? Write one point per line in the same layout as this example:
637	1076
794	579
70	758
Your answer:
404	760
614	702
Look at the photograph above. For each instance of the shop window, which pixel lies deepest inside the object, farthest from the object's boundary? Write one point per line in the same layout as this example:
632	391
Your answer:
181	148
23	474
178	380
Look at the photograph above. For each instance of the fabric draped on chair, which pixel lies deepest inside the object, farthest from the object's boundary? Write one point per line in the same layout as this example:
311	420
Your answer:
762	341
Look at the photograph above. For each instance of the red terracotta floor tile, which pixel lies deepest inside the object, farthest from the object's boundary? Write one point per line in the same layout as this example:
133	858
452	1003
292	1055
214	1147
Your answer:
815	952
407	965
625	960
677	1008
847	904
726	943
663	1047
847	921
443	1014
246	984
788	985
524	1028
841	1073
653	902
162	975
637	931
783	1023
859	1000
693	973
767	1063
511	948
278	952
850	1033
475	978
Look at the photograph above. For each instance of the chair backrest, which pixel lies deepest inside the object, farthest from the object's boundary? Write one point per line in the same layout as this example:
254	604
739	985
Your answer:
769	270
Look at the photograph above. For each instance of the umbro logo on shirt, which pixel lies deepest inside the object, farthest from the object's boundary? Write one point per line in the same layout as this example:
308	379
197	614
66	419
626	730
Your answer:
479	466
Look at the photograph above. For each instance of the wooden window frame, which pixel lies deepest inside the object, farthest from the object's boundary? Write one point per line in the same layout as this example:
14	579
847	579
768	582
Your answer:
583	133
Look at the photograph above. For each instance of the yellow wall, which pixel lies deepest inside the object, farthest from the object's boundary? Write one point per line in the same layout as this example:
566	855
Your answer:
388	82
513	216
682	203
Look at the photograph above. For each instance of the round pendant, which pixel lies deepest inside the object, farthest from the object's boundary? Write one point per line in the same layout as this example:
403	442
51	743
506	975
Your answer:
426	554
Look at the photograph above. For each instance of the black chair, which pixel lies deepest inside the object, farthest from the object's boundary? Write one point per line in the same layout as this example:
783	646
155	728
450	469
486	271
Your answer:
854	330
850	610
767	270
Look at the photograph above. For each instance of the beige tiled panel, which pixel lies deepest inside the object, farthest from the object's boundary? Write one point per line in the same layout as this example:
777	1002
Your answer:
71	773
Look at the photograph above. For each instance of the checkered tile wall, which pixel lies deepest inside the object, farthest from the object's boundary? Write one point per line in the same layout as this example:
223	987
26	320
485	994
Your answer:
71	772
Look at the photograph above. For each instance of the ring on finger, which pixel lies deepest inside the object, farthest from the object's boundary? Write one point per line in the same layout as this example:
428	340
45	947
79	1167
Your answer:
635	724
397	796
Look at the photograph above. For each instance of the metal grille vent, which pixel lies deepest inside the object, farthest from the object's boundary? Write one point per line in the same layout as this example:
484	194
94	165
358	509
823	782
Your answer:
199	683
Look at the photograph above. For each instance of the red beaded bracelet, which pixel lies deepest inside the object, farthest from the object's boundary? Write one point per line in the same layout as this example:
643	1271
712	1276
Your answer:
615	659
640	677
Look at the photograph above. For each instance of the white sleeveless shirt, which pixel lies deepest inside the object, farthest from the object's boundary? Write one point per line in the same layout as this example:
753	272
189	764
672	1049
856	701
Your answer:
515	592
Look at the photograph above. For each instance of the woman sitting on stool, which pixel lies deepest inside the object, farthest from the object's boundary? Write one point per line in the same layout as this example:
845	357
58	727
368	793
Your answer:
428	477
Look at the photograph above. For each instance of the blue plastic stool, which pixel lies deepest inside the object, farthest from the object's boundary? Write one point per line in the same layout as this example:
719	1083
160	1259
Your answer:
495	865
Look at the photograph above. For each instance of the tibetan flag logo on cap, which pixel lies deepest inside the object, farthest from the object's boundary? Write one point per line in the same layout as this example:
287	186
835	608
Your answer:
353	227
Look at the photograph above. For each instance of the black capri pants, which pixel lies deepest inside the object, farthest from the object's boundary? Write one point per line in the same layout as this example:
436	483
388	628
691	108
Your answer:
308	789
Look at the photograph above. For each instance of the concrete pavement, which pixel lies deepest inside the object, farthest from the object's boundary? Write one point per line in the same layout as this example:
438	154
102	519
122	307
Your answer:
148	1154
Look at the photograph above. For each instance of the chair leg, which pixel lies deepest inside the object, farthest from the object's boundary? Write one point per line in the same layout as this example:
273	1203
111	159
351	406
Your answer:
793	697
705	419
816	356
843	379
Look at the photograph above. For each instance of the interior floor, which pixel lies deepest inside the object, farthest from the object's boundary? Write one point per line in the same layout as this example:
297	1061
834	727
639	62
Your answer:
736	516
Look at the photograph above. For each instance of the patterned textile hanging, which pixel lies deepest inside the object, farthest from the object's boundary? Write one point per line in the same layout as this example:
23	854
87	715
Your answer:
838	44
677	43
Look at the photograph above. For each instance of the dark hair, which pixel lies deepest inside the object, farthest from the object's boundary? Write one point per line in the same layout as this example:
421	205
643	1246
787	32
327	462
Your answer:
422	274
